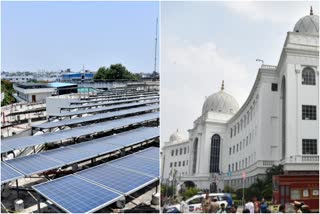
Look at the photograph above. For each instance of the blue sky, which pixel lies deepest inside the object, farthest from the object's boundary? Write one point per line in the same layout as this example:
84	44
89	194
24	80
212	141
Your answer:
60	35
203	43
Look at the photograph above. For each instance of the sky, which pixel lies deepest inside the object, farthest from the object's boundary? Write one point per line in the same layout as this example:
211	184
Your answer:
203	43
61	35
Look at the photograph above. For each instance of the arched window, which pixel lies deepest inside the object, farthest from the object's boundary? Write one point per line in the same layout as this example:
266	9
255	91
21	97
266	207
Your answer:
215	153
283	93
195	154
308	76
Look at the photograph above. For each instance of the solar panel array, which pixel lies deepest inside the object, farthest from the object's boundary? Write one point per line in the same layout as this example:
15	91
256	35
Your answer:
74	121
151	152
106	103
75	195
104	99
9	174
23	142
56	158
102	109
120	95
97	187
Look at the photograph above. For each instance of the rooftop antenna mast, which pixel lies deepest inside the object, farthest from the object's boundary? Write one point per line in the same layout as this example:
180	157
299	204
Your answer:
155	48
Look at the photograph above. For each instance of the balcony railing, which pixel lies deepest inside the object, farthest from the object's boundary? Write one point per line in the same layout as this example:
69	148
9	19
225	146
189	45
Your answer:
310	158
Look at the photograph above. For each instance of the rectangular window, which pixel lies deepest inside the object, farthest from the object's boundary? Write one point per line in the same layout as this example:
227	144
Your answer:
180	151
309	146
171	164
177	152
236	166
175	164
179	163
234	147
187	162
185	150
232	167
237	147
183	163
230	151
235	131
240	145
229	168
309	112
172	152
231	132
274	87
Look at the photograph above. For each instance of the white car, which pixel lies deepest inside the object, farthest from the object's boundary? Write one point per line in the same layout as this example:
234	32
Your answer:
194	203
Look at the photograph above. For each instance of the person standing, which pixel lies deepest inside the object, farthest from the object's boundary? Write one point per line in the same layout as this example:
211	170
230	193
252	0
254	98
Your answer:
282	208
256	205
297	206
263	206
206	203
249	205
184	208
214	205
222	208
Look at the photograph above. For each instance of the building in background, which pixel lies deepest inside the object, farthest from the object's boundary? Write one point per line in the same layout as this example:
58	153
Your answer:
278	123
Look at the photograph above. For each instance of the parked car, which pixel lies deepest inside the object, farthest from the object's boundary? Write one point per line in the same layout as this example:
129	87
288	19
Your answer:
194	203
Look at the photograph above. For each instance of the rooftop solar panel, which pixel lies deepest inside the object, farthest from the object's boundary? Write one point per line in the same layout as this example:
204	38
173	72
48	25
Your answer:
9	174
23	142
67	155
122	95
152	152
96	147
121	180
101	109
105	103
96	117
104	99
139	164
75	195
33	164
5	149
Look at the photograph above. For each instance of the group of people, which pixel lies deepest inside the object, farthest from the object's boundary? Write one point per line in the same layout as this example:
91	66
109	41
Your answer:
213	206
254	206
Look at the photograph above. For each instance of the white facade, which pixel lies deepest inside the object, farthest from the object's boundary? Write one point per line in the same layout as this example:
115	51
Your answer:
278	123
34	94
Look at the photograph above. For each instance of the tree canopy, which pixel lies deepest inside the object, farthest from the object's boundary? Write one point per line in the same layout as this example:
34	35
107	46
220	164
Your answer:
115	72
7	89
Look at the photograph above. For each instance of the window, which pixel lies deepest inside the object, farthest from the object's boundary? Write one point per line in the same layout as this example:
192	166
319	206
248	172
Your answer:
195	153
187	163
180	151
230	151
309	112
185	150
235	130
246	162
247	141
234	149
240	145
236	166
175	164
308	76
215	153
183	163
274	87
238	128
172	152
179	163
241	124
242	164
171	164
309	146
231	132
177	152
229	168
195	201
245	120
237	147
232	167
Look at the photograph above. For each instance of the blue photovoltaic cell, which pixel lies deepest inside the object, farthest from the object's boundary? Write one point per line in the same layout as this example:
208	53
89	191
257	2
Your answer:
97	147
75	195
67	155
23	142
101	109
105	99
123	95
152	152
121	180
5	149
33	164
140	164
96	117
9	174
106	103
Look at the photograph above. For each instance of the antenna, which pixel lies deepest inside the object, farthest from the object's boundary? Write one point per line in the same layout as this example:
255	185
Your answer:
155	48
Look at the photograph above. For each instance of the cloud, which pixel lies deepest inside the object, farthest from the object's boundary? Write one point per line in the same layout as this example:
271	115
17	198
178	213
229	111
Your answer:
278	12
189	72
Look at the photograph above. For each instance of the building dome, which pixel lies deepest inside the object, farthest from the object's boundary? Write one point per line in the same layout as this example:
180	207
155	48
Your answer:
176	137
220	102
308	24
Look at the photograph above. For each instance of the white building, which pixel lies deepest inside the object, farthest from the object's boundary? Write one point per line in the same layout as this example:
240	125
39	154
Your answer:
278	123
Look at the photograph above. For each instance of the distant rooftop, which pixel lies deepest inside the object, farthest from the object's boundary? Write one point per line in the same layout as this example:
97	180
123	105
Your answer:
61	84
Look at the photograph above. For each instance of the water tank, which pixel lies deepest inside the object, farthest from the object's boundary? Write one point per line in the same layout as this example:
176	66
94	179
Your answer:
155	198
18	205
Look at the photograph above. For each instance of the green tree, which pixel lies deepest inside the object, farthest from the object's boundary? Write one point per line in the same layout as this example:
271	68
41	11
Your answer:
191	191
115	72
7	89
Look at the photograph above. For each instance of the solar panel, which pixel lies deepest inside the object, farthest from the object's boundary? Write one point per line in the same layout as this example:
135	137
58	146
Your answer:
75	195
23	142
121	180
5	149
101	109
100	100
9	174
105	103
67	155
122	95
152	152
96	117
139	164
33	164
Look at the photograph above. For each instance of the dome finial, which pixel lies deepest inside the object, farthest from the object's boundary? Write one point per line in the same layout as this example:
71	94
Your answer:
222	86
311	11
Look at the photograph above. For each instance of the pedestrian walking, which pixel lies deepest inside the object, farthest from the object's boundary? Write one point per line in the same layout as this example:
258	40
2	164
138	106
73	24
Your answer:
282	208
206	203
214	205
256	205
263	206
249	205
222	209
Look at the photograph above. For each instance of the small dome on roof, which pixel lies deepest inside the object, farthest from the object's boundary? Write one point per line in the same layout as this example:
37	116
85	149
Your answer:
308	24
176	137
220	102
